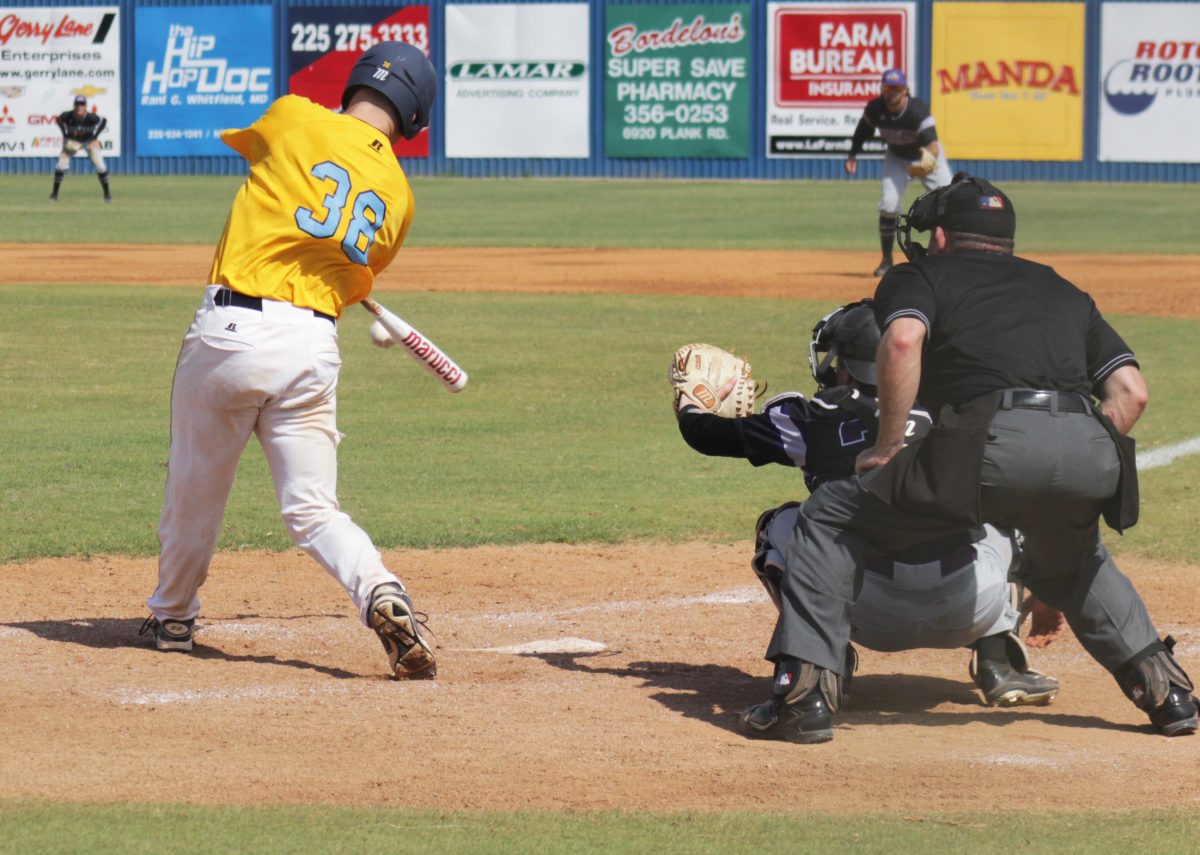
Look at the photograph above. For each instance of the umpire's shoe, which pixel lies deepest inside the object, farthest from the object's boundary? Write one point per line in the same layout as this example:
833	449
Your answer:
801	708
170	634
399	627
1157	684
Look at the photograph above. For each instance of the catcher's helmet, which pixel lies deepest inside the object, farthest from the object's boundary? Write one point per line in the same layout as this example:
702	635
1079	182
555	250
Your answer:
966	204
849	332
404	75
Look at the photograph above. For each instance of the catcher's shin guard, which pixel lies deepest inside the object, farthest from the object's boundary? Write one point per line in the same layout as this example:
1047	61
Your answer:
399	626
767	562
1159	686
800	709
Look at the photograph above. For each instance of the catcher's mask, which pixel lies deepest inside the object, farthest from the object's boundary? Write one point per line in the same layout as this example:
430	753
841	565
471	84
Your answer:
849	332
404	75
966	204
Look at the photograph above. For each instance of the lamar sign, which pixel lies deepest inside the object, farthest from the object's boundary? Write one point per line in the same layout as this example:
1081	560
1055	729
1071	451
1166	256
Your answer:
834	56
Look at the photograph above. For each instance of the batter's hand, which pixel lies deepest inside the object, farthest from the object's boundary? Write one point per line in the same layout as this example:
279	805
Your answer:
851	166
1047	624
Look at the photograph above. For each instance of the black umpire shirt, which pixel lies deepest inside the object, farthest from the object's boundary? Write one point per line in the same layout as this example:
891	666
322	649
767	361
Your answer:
905	133
998	321
83	128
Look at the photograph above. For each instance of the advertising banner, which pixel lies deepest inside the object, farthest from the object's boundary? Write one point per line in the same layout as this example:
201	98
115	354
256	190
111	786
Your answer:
200	70
48	56
1150	75
1008	80
326	41
517	80
824	63
677	81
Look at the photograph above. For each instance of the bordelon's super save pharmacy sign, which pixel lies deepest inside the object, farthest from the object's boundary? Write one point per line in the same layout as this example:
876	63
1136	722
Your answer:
830	56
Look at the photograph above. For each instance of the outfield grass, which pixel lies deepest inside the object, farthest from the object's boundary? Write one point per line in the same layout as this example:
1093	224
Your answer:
1108	218
548	443
34	829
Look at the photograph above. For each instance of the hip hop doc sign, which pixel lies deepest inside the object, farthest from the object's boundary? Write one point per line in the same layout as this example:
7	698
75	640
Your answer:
200	70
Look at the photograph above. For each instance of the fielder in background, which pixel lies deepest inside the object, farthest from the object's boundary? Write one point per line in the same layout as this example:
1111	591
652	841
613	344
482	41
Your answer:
324	210
958	596
80	129
1033	395
913	151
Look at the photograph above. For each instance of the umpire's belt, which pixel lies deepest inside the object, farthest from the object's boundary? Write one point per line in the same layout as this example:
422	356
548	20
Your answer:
948	564
1052	402
229	297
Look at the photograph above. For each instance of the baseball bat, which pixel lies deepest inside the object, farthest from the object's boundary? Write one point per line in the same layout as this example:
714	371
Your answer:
419	347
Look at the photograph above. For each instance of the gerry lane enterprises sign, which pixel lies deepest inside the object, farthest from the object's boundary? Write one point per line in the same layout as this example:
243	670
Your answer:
676	81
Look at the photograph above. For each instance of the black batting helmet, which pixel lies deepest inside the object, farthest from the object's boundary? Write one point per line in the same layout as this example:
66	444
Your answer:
404	75
849	332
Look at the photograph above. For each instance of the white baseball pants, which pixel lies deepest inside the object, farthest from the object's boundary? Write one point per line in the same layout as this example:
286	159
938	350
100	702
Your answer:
272	373
896	178
71	148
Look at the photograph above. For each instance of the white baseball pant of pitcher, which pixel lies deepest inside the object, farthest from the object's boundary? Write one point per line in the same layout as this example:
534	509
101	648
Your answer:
896	178
272	374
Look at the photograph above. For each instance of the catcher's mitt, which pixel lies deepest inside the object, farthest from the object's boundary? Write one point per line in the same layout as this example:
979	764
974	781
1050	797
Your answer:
924	166
713	379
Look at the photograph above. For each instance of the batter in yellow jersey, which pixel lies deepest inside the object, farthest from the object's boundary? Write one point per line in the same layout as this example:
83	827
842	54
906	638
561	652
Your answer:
311	227
324	209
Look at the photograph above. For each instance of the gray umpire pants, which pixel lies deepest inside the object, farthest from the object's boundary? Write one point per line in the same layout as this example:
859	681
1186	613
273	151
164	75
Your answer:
1045	474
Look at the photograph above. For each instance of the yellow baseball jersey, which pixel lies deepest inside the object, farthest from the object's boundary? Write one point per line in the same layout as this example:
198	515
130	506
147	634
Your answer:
325	209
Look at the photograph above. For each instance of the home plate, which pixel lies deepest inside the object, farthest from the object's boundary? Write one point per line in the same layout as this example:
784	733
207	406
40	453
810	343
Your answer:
551	645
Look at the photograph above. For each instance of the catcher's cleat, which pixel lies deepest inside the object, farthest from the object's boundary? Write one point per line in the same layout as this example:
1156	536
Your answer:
1002	685
399	627
1178	715
884	267
170	634
808	721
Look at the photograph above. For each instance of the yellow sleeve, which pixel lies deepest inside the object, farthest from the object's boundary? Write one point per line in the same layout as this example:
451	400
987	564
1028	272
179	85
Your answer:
254	142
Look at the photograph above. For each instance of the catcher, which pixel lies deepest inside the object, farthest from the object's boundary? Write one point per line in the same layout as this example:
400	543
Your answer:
957	595
913	151
80	130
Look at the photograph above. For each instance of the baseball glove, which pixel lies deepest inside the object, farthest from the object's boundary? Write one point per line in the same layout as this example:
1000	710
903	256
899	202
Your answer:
924	166
713	379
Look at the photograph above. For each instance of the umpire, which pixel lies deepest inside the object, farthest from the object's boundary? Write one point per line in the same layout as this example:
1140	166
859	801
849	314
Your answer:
1008	354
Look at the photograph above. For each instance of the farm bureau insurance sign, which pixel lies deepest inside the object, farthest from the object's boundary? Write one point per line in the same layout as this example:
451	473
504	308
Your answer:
200	70
1008	80
1150	76
824	63
48	55
676	81
517	80
326	41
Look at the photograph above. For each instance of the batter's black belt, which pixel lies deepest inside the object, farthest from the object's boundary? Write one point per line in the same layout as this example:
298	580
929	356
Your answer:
229	297
1053	402
948	564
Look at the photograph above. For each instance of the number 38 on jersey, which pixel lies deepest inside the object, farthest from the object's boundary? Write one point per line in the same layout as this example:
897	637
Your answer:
367	212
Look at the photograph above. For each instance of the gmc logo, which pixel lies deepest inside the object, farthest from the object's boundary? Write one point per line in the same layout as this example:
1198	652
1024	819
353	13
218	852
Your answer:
42	120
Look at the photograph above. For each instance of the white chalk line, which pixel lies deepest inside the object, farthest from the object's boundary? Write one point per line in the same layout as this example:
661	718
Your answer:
732	597
1168	454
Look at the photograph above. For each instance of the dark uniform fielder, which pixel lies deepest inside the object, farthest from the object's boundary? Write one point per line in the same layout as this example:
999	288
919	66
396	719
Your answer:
80	129
1009	356
908	128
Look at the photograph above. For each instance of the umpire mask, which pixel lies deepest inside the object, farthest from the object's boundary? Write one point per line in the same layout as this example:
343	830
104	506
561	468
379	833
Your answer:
966	204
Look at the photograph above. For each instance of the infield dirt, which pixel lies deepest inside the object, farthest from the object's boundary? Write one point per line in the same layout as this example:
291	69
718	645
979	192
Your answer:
570	676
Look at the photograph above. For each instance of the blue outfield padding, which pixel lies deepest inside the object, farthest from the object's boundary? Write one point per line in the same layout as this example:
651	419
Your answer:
184	143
